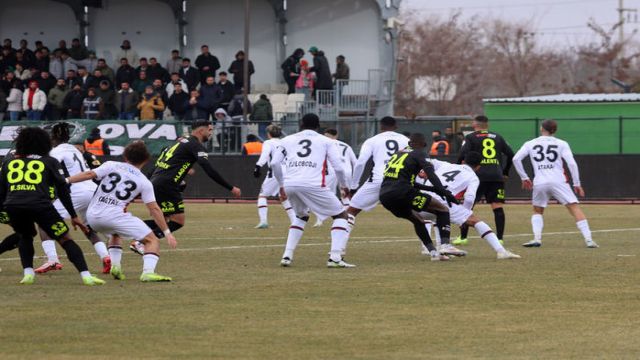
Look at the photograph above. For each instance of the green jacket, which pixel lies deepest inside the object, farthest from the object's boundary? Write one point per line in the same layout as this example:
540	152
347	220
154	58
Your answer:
262	111
56	96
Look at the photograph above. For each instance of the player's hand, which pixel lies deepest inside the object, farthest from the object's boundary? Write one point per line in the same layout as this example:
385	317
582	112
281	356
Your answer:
76	222
527	185
4	217
236	192
579	190
256	172
283	194
191	171
171	240
422	174
448	196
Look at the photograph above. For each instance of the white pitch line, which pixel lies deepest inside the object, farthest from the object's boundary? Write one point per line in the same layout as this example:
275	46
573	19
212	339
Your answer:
389	240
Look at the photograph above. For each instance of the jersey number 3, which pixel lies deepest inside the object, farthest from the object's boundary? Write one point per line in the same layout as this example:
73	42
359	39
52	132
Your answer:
114	179
551	152
306	148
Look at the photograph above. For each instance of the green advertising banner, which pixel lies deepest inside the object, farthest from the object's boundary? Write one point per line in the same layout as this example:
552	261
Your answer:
117	133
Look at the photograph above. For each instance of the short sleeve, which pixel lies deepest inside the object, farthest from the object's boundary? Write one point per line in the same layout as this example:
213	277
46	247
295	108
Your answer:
147	194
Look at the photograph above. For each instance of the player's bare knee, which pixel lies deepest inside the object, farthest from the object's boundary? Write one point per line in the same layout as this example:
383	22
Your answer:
303	218
353	211
342	215
472	220
538	210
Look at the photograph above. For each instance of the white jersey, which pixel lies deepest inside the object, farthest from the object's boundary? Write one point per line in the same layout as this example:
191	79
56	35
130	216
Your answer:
547	153
304	156
120	183
461	180
347	157
269	149
379	148
73	163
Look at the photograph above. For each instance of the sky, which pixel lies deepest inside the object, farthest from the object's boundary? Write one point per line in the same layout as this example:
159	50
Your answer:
560	22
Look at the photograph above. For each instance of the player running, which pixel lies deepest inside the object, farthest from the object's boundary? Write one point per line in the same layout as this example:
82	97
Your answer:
120	183
402	196
270	185
463	182
546	153
72	163
305	155
492	172
27	184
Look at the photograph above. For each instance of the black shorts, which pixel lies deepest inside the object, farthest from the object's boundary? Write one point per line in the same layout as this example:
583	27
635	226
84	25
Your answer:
169	198
22	220
402	204
493	191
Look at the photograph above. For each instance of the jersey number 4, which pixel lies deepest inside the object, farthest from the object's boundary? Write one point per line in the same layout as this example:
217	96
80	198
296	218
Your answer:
114	180
551	153
450	176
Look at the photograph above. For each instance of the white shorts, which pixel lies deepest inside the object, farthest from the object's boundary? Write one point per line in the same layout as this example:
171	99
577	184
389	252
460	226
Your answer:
458	214
367	197
321	201
270	187
559	191
125	225
331	182
80	202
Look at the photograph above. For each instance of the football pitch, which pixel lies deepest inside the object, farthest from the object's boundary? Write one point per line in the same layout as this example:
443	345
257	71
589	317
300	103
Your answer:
230	299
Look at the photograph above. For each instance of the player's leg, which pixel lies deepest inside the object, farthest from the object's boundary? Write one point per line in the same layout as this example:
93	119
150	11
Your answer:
443	224
296	229
464	228
150	259
172	206
582	224
10	242
495	197
263	212
115	253
539	200
49	248
101	249
365	199
486	233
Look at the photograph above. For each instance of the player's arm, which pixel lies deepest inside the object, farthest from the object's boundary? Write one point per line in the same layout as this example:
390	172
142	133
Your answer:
263	159
517	163
63	191
567	155
508	153
437	187
470	193
203	161
466	146
351	158
276	164
83	176
366	152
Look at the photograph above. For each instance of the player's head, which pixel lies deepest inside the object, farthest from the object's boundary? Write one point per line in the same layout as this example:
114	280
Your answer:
417	141
202	129
32	141
136	154
60	133
548	127
252	138
473	159
310	122
388	123
480	122
331	133
274	131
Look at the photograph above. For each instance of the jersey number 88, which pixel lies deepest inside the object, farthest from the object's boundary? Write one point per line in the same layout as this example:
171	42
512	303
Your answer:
16	172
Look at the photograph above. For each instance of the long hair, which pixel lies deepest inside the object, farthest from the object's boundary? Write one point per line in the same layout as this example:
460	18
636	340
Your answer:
32	141
60	133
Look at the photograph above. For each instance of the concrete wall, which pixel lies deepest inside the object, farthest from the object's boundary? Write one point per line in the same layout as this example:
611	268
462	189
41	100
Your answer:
37	20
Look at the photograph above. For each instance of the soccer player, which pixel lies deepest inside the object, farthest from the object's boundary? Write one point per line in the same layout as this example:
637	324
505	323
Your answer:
172	167
27	183
401	195
493	171
305	155
463	182
72	163
120	183
270	185
546	153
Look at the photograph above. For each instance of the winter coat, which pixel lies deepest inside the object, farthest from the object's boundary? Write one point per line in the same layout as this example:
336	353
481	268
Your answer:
237	69
300	83
126	101
3	102
39	100
56	97
191	76
323	72
157	72
78	52
139	85
342	72
108	97
46	84
24	75
130	54
227	92
174	66
170	88
262	111
236	106
290	65
108	73
178	103
207	60
14	100
212	96
73	101
125	73
148	107
58	68
197	111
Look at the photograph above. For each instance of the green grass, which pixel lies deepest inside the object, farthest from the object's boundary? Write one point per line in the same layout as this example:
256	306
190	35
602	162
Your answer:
231	300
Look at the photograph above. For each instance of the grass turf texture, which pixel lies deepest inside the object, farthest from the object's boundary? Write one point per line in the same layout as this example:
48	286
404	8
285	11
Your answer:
230	299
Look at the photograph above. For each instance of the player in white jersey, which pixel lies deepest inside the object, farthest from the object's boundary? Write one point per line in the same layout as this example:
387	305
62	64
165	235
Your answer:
546	153
73	163
463	183
270	186
120	183
305	155
378	149
348	158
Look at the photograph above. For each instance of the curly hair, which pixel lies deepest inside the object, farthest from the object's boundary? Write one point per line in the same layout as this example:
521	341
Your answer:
60	133
32	141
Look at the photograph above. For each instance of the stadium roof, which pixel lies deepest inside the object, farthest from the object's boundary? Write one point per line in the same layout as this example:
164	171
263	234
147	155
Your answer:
569	98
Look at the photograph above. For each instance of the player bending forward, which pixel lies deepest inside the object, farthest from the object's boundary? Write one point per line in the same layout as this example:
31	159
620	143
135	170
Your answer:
270	185
546	153
303	182
462	180
120	183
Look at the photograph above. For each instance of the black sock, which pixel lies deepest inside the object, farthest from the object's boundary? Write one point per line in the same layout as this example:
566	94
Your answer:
155	228
75	255
26	250
443	223
464	231
174	226
93	236
422	233
500	222
10	242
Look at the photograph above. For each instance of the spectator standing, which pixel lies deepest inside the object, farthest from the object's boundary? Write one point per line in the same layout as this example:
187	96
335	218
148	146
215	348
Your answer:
21	73
342	73
91	63
73	102
321	69
291	69
158	88
440	146
67	63
252	147
14	100
62	46
125	73
178	102
227	90
127	52
211	96
207	64
97	78
56	100
237	69
189	74
77	51
144	66
92	106
305	82
262	114
6	82
156	71
126	102
196	108
72	79
42	61
175	78
106	70
149	104
175	63
96	145
45	81
28	56
83	77
108	96
8	60
3	104
34	101
141	83
236	107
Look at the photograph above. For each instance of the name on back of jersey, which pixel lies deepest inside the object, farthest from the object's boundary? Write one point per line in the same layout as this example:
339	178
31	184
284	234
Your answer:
108	200
302	163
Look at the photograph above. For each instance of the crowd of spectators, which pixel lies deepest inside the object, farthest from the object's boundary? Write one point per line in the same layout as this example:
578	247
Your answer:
304	79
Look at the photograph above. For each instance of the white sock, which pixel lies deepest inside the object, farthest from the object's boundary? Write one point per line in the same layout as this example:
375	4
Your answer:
29	271
101	249
115	252
486	233
263	210
339	238
437	236
583	226
537	224
351	220
149	262
49	247
84	274
289	209
295	234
